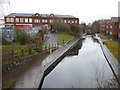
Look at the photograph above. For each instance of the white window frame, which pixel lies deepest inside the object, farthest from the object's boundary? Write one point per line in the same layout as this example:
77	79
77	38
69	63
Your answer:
17	19
46	20
7	19
21	20
43	20
12	19
65	21
68	21
107	27
37	21
110	26
30	20
76	21
110	32
26	19
72	21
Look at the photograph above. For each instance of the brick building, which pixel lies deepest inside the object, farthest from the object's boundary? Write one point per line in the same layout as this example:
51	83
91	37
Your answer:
30	21
110	28
103	24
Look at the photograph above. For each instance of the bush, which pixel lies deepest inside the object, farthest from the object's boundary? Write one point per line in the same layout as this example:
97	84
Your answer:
22	37
5	42
75	30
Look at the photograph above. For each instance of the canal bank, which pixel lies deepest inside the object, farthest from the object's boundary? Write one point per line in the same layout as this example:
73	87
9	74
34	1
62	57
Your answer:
113	63
33	77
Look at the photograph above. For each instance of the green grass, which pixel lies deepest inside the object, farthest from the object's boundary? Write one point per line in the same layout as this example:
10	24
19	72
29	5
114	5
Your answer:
47	47
102	36
65	37
18	52
113	47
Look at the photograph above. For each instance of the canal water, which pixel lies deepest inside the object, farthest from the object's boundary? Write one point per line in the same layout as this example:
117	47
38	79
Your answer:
84	67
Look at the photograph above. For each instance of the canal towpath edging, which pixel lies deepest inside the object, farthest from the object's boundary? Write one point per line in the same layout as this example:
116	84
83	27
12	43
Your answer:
113	63
34	80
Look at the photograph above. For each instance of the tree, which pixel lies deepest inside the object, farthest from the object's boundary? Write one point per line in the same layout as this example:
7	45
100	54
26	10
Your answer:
22	37
95	26
59	26
75	29
84	26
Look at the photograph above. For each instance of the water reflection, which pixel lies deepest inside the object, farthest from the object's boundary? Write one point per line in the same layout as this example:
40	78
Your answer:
87	69
75	51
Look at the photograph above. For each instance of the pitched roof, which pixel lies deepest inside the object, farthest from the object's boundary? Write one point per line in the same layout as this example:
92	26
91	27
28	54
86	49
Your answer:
18	14
43	15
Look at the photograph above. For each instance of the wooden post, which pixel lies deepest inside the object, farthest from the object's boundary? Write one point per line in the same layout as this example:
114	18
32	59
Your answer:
49	46
12	55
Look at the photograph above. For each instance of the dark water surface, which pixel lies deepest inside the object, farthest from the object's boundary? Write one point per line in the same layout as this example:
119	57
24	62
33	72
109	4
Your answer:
86	69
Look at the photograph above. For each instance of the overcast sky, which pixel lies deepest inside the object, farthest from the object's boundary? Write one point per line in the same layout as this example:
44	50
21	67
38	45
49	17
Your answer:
86	10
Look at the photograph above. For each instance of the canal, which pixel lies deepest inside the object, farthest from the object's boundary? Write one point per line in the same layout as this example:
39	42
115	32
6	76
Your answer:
84	67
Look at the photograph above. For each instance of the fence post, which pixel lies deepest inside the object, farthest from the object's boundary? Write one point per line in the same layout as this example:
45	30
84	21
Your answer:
13	55
49	46
45	47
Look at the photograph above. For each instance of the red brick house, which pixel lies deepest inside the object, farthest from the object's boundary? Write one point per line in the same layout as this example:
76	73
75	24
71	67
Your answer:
103	24
29	21
110	28
113	28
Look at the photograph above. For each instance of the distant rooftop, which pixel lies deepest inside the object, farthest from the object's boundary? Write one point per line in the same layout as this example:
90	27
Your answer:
43	15
115	19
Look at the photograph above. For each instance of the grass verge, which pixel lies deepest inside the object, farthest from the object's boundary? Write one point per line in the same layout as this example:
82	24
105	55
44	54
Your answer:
113	47
102	36
64	38
19	50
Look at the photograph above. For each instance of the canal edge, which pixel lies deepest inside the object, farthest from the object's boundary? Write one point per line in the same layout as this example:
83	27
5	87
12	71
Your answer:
108	61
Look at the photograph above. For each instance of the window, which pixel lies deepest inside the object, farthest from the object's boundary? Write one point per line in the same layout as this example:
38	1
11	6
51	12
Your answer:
69	21
76	21
110	32
7	19
37	21
72	21
12	19
30	19
17	19
106	31
46	21
51	21
65	21
106	26
26	19
43	20
119	35
21	19
110	26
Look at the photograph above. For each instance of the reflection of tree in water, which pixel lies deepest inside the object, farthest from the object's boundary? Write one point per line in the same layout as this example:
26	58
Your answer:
75	50
95	39
102	81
